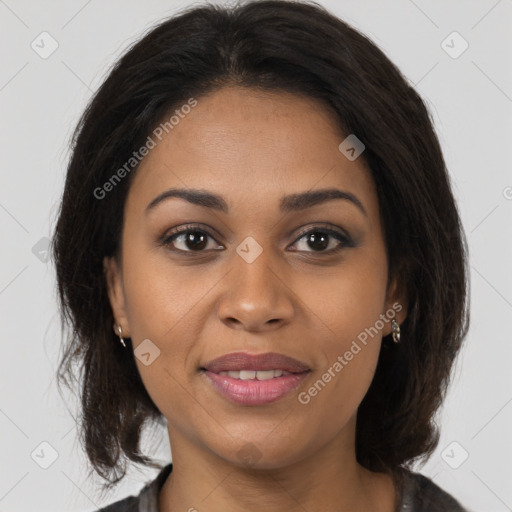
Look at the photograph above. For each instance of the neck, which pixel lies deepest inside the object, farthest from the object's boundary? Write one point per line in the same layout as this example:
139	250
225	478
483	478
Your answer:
329	479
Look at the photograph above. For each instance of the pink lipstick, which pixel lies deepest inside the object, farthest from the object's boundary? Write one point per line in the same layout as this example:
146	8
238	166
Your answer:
257	379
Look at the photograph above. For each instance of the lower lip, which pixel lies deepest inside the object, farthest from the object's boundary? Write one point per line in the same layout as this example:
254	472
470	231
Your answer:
255	392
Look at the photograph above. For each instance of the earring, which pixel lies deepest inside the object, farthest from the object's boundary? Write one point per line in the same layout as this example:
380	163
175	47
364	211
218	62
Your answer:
119	330
396	331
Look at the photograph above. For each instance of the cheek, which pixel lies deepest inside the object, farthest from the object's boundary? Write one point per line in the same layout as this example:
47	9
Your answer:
160	297
351	298
162	306
348	306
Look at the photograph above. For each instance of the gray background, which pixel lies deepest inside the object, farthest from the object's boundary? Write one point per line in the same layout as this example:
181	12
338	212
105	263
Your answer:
40	99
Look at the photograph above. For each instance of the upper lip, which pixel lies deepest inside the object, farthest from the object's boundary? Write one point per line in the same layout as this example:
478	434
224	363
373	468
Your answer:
244	361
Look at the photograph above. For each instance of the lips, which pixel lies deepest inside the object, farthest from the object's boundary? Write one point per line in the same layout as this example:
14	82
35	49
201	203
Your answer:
240	361
255	392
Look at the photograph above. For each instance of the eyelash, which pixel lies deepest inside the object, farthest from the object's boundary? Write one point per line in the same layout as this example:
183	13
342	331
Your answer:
345	241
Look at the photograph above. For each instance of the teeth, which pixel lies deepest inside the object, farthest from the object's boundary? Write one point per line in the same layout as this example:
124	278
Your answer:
254	374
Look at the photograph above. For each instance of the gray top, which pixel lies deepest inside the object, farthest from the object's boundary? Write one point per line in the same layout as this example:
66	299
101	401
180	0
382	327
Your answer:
420	494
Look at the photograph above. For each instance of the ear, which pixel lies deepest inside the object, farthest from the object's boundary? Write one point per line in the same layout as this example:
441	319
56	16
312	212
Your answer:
115	290
397	302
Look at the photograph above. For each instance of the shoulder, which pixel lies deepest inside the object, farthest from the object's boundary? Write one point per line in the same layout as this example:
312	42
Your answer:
422	495
130	504
146	500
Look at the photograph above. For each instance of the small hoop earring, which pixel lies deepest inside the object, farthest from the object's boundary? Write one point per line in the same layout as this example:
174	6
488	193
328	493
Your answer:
119	330
396	331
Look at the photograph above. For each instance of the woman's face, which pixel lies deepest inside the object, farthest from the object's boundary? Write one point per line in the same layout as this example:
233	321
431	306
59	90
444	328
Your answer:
247	277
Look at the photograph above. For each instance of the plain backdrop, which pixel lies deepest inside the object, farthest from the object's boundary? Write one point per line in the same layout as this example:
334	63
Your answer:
469	92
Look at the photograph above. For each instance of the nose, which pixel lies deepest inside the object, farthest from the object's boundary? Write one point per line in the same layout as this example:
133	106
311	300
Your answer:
256	296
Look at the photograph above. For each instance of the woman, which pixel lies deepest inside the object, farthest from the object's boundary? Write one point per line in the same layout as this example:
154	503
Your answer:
259	247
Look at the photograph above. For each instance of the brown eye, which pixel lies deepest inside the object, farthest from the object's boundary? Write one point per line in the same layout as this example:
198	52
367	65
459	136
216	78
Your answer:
323	241
194	240
189	239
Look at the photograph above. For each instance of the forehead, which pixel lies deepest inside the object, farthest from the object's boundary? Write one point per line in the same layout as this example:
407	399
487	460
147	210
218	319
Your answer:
251	147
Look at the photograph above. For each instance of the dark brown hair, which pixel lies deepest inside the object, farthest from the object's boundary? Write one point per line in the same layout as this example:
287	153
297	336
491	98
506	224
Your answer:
273	45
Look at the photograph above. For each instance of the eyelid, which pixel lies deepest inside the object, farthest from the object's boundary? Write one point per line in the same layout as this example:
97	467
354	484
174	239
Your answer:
325	226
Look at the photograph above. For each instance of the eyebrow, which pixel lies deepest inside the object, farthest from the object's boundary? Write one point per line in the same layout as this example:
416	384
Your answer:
289	203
